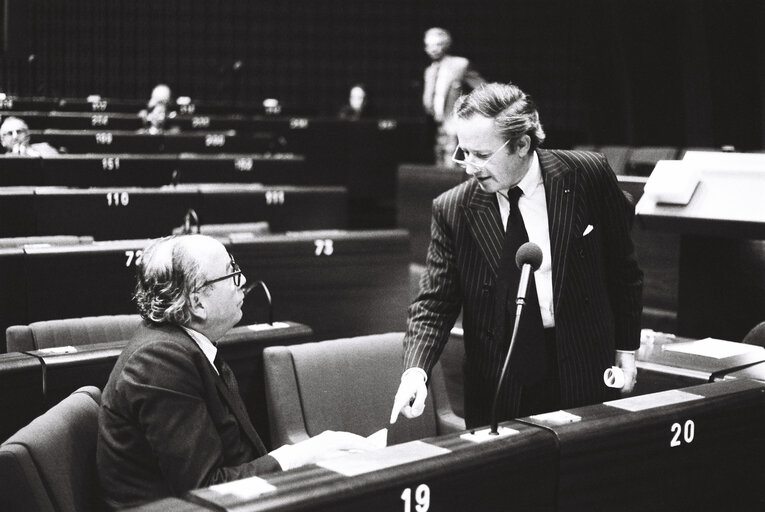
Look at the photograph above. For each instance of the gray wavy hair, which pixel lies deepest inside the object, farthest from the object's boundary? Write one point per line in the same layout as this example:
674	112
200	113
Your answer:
166	276
514	112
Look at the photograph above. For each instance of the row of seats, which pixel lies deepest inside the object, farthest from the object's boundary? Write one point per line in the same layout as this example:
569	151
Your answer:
50	463
342	283
123	213
124	141
96	103
41	120
544	461
53	358
154	170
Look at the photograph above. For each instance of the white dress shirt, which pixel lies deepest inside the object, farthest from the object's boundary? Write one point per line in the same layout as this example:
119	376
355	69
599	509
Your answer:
209	350
533	207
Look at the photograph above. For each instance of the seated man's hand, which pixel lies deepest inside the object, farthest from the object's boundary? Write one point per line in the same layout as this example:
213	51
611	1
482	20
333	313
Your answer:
410	398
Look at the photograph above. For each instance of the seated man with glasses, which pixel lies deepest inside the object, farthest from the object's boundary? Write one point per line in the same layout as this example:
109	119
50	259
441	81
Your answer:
171	417
14	134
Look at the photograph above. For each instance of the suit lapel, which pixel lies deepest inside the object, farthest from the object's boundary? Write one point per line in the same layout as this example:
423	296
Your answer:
237	406
485	224
234	403
560	189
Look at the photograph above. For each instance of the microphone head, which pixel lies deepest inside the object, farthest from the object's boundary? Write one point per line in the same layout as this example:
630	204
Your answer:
529	254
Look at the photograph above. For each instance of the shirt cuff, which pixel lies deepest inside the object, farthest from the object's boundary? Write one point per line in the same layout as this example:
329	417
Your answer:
415	369
285	456
625	351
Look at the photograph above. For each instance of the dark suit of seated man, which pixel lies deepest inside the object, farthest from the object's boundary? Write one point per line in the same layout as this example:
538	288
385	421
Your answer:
171	416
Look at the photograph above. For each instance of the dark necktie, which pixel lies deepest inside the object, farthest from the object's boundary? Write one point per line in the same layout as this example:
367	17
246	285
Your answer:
226	374
236	402
528	360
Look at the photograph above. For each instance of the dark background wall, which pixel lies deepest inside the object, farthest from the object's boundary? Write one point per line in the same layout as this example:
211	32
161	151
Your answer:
681	72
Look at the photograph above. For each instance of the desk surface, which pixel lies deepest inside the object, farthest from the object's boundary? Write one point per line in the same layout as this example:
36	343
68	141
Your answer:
726	203
513	473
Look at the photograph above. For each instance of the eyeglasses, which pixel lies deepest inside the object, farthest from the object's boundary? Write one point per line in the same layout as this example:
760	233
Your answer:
236	275
464	163
9	133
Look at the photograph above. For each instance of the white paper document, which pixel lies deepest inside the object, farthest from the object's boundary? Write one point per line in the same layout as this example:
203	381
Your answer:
643	402
246	488
557	417
366	462
714	348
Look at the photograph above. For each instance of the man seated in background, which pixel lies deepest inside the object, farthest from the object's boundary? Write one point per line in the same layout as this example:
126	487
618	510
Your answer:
158	110
358	106
14	134
171	417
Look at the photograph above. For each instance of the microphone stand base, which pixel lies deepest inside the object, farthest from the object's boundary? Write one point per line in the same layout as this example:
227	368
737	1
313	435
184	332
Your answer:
481	436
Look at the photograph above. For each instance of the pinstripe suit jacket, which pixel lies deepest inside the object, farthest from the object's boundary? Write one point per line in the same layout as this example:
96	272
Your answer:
597	284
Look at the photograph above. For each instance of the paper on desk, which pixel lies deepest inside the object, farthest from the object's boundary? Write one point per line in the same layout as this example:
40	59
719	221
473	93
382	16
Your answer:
557	417
245	488
379	439
366	462
643	402
712	347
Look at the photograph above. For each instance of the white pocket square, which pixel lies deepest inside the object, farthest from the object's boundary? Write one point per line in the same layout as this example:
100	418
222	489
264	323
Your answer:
587	230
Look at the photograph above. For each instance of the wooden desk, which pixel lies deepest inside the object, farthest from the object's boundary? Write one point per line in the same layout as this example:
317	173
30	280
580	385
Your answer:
658	452
512	473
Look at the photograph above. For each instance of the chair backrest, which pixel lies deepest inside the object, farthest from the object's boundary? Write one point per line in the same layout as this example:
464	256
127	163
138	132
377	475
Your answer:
71	331
347	384
50	465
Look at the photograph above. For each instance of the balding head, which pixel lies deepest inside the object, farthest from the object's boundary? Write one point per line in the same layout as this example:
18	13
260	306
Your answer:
167	274
161	94
14	132
190	280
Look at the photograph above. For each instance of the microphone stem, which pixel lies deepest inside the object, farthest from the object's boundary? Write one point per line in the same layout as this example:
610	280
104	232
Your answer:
494	422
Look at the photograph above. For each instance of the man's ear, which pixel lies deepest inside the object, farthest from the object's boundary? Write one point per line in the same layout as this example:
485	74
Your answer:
198	308
524	146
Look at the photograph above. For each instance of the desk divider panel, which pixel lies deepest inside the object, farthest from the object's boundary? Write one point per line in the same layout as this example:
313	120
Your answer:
13	291
113	213
86	280
17	213
266	168
109	170
517	472
124	141
418	185
16	171
124	213
21	396
341	283
154	170
698	448
283	207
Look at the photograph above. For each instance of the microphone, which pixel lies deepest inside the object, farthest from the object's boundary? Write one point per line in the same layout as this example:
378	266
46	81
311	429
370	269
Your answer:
528	259
267	293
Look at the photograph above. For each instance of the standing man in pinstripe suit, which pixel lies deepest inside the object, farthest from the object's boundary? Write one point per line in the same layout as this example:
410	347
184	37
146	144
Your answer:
589	287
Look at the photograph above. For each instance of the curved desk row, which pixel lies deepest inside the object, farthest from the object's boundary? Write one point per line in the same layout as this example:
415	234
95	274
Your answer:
129	212
341	283
698	448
